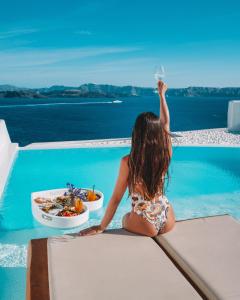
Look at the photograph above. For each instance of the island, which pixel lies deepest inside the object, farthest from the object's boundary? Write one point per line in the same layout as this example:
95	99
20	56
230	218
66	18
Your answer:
91	90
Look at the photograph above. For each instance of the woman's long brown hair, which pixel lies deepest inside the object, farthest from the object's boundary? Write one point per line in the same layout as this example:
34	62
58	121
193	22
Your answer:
150	156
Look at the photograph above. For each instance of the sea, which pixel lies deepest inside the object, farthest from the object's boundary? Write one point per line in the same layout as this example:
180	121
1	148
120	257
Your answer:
68	119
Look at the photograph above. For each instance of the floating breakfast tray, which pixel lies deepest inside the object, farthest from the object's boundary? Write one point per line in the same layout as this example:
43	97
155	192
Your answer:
51	218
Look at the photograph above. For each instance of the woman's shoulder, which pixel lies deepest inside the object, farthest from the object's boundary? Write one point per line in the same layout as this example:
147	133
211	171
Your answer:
125	159
124	162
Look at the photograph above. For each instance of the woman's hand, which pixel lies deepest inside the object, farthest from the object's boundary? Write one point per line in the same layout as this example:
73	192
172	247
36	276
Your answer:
91	230
162	87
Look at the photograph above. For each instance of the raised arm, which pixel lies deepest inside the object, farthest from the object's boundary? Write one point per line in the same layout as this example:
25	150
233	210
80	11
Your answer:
164	112
119	190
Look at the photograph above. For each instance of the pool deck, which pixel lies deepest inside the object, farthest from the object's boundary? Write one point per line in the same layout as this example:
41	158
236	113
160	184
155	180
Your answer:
206	137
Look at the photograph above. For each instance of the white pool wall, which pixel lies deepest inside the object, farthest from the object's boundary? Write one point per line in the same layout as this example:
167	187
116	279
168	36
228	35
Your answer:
7	154
234	116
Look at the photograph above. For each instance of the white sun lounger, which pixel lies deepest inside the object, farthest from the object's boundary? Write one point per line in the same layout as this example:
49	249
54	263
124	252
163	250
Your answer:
113	265
208	251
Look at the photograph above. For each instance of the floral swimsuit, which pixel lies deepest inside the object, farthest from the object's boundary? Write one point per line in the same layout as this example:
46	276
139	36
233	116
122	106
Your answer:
154	211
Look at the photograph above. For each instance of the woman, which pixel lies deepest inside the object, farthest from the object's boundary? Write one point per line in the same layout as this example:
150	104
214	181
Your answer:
143	172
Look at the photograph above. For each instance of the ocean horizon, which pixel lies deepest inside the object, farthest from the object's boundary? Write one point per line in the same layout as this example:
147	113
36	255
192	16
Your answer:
67	119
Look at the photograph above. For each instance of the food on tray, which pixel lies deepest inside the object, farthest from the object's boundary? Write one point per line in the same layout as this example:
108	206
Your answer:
64	200
91	196
70	204
49	206
83	194
41	200
79	207
68	212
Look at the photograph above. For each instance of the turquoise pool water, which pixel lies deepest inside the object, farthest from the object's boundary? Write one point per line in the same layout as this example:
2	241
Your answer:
204	181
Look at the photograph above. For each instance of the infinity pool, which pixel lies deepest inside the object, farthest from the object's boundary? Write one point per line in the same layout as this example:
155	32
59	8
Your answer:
204	181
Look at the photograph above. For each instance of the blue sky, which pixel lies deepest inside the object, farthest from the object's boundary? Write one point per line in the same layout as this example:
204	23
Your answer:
119	42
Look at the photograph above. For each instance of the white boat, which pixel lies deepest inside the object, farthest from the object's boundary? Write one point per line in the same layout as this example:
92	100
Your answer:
51	219
116	101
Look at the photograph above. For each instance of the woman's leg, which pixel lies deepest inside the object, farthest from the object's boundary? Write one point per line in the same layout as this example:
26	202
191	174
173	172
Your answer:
125	220
137	224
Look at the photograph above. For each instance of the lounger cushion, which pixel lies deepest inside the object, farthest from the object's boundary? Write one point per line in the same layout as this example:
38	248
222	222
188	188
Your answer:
113	265
208	250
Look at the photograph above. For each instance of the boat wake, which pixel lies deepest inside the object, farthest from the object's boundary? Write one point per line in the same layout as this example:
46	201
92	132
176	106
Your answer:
56	104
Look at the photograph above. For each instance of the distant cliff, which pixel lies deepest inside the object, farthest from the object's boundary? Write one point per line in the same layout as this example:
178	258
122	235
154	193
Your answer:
205	92
91	90
20	94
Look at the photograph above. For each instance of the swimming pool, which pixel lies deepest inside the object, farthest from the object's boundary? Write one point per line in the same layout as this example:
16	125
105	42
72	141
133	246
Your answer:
204	181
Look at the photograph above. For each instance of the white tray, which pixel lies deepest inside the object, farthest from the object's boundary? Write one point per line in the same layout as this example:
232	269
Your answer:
63	222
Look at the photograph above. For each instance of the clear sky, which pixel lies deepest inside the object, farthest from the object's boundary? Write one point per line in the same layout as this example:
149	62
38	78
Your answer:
119	42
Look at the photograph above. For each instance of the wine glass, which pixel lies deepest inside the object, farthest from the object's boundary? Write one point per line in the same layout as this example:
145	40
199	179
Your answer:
159	73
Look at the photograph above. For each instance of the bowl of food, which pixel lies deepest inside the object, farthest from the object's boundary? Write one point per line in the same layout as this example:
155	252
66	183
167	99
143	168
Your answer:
92	198
52	208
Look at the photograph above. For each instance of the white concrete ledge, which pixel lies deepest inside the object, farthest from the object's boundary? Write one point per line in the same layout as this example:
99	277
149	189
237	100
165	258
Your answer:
7	154
80	144
207	137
